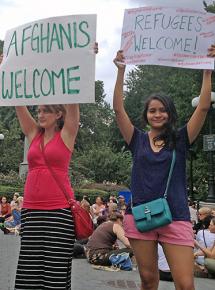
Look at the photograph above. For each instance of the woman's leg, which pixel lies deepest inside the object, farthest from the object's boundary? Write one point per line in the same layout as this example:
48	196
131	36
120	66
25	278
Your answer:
181	263
147	260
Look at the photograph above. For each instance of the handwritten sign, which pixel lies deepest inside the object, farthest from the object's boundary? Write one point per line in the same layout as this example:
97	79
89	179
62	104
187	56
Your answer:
168	36
50	61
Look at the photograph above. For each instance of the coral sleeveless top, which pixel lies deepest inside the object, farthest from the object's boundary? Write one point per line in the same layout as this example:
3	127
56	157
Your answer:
41	190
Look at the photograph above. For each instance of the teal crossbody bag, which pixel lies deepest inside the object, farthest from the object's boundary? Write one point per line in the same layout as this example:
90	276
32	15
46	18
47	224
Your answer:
155	213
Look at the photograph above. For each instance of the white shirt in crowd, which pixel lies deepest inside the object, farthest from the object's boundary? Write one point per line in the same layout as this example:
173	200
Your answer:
162	262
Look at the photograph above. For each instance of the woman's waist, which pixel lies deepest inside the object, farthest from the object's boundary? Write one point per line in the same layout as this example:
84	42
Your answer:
38	168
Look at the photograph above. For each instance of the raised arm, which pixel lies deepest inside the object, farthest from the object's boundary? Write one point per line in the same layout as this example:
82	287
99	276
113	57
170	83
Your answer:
123	121
197	120
27	123
71	125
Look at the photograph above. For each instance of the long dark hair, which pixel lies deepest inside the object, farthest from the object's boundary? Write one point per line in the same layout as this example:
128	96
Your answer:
169	132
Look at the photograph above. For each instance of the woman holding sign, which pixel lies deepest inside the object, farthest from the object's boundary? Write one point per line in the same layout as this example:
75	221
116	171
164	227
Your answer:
152	154
47	227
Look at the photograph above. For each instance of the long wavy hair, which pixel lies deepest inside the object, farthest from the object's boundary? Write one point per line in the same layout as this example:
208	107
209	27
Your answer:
56	109
169	133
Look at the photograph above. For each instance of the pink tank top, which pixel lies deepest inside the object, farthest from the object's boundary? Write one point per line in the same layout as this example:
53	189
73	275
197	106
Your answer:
41	190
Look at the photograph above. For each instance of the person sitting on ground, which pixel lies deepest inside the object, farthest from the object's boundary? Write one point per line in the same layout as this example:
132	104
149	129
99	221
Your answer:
202	213
205	238
15	197
163	266
14	223
112	199
208	253
5	209
102	243
98	207
109	209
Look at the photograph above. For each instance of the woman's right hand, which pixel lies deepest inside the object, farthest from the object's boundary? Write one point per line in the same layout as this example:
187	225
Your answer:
119	60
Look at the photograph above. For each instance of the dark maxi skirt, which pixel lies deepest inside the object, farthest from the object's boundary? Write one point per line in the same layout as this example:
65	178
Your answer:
45	259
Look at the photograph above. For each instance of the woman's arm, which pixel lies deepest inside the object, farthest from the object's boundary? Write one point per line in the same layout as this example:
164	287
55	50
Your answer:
71	125
28	124
197	120
208	252
123	121
118	230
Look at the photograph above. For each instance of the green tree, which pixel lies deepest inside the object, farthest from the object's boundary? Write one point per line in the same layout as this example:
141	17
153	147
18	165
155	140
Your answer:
11	148
95	120
101	163
1	46
209	8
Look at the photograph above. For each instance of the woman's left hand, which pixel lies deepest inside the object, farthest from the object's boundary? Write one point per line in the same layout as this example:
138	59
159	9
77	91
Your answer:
211	51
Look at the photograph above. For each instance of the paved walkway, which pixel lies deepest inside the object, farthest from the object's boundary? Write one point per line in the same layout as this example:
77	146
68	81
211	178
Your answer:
84	276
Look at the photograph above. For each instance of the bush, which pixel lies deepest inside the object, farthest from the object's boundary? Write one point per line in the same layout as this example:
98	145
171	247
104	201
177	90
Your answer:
111	188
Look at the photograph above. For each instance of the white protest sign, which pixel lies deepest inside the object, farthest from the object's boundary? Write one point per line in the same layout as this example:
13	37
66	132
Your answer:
49	61
166	36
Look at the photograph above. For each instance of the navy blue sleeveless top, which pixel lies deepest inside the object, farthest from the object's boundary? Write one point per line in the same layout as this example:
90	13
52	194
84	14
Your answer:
150	172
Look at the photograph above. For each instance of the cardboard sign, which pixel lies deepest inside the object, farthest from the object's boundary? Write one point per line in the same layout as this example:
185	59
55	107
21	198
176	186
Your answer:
50	61
165	36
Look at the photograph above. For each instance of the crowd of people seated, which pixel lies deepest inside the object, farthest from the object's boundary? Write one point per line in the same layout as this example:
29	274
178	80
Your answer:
100	246
204	251
10	214
107	217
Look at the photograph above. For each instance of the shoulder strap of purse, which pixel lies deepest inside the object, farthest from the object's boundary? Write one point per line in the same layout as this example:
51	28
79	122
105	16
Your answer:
53	173
170	172
203	231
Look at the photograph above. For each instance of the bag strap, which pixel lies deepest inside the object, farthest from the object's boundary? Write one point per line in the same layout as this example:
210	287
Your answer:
170	172
204	238
60	185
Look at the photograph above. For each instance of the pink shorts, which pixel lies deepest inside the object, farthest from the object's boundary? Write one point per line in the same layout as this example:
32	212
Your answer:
178	232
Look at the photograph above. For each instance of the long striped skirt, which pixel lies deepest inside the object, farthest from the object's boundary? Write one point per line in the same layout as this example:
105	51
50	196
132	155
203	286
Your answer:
45	259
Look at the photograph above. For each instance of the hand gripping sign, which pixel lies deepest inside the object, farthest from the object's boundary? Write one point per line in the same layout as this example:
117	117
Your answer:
168	36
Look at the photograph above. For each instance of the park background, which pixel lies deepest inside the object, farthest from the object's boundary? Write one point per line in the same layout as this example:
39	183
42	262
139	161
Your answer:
101	162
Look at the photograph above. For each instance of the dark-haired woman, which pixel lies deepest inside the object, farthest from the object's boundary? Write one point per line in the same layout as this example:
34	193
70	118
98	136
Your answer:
152	154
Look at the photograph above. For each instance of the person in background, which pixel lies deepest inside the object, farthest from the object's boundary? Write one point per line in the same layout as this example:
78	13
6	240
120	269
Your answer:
202	213
121	205
193	212
5	213
102	243
5	209
152	154
15	197
163	266
97	208
112	199
14	223
207	252
205	238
